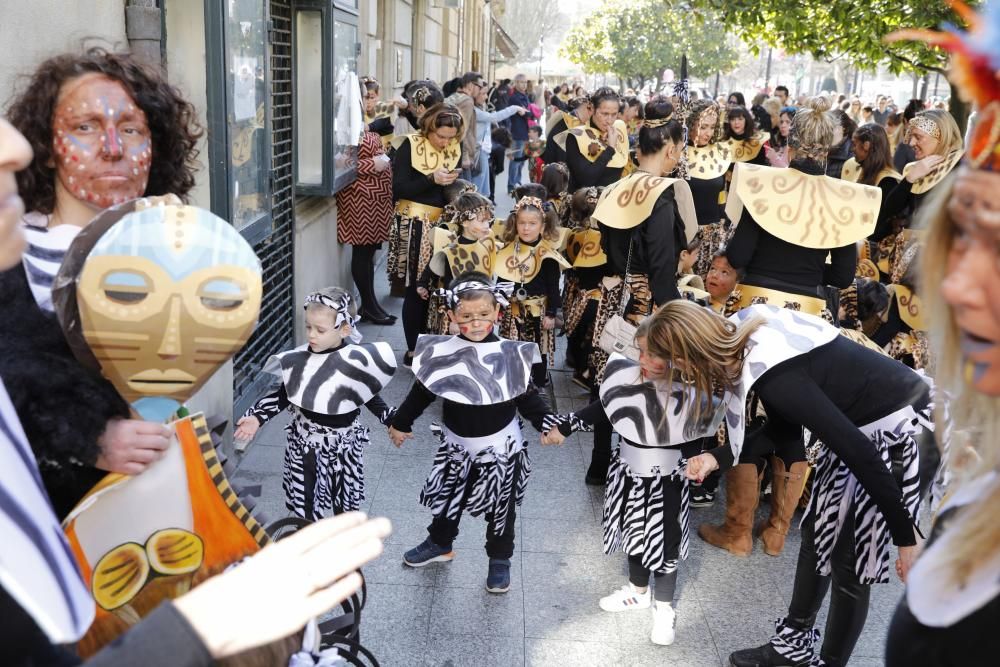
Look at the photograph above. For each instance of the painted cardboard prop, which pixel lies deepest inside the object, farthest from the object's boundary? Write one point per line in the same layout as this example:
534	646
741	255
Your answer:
805	210
851	171
630	201
157	296
588	139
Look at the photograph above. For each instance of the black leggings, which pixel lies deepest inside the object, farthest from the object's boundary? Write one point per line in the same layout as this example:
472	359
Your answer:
666	582
848	601
778	437
363	272
414	316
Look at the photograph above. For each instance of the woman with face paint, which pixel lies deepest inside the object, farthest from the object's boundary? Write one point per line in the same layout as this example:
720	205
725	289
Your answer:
951	609
424	163
44	602
95	145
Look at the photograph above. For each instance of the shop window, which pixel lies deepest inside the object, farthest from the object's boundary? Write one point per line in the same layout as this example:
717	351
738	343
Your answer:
327	97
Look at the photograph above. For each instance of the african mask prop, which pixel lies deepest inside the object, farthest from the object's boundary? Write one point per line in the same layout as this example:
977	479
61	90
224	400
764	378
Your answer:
157	296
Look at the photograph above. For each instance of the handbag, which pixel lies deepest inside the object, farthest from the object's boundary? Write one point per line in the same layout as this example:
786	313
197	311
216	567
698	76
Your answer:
618	334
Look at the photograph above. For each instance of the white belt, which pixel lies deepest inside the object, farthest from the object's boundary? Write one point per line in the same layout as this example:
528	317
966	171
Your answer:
475	445
642	460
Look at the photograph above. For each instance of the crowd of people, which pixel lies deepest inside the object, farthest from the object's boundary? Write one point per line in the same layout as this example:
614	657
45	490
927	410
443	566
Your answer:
776	296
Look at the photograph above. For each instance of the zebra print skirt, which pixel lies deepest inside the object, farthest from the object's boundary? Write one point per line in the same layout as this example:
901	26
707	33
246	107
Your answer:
835	489
504	472
635	515
328	460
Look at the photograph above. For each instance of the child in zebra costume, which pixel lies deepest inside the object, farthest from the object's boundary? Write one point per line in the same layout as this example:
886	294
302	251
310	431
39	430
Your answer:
873	416
325	383
482	465
646	498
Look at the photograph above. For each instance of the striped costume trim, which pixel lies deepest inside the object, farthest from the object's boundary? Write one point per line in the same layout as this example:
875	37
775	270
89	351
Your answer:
795	645
503	478
835	489
636	522
336	466
222	484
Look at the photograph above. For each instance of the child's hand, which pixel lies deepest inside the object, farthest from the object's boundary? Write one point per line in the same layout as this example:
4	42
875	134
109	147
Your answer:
423	293
246	429
453	329
701	466
548	322
398	437
553	437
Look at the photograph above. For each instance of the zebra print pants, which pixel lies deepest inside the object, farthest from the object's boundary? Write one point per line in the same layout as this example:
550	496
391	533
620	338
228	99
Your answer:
647	516
324	469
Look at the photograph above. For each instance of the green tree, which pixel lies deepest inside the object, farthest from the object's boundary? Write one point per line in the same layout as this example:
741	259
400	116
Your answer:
636	41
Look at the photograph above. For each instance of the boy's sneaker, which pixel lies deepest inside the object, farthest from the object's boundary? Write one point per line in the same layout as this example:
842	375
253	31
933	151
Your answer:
498	579
625	599
663	624
702	497
426	553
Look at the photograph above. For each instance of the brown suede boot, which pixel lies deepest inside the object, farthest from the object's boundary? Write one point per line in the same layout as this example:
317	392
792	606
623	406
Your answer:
786	489
742	494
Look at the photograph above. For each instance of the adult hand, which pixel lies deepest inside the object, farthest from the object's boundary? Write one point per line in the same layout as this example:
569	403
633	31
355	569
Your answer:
701	466
548	322
129	446
398	437
400	103
553	437
521	111
279	589
613	137
777	158
381	163
443	177
923	167
423	293
907	556
246	428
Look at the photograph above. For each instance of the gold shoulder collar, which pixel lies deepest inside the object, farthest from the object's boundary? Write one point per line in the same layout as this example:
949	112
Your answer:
628	202
520	263
591	145
744	150
936	175
851	171
809	211
425	158
583	248
708	162
909	306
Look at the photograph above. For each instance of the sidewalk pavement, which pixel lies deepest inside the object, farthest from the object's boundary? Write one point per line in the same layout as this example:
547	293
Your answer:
442	616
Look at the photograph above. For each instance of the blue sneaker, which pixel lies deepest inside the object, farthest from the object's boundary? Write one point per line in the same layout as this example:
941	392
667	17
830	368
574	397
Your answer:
426	553
498	580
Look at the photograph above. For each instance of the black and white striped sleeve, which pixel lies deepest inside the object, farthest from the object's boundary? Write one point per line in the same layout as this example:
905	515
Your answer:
381	409
269	406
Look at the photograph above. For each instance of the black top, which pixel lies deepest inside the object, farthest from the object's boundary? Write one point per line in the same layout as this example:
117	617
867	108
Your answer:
472	421
164	637
706	198
382	126
552	152
773	263
812	390
971	641
893	325
273	404
902	202
903	156
585	174
408	183
63	406
656	245
886	216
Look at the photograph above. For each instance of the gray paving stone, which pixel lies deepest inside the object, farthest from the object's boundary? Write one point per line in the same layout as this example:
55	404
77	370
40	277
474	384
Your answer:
559	536
445	650
561	612
393	609
464	611
389	569
546	652
395	649
594	575
565	505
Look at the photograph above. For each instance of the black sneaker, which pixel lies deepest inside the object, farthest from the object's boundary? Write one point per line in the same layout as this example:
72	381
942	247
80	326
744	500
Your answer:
702	497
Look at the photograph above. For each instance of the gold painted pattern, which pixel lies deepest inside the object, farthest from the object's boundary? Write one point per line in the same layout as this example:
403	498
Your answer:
707	162
936	175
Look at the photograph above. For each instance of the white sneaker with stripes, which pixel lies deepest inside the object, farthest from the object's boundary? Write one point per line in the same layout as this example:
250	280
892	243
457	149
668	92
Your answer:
626	598
663	624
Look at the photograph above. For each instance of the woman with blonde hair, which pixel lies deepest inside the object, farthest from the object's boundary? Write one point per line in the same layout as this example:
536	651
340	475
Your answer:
866	419
782	242
952	603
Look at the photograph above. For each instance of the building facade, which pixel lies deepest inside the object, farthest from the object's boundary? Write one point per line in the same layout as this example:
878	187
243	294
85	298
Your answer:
273	82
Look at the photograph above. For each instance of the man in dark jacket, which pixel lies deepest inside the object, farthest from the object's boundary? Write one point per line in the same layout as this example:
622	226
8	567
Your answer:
518	132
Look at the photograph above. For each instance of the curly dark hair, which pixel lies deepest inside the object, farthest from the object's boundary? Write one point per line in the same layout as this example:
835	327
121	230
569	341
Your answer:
172	122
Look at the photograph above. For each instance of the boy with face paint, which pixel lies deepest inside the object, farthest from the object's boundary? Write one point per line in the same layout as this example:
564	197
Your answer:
482	465
324	384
